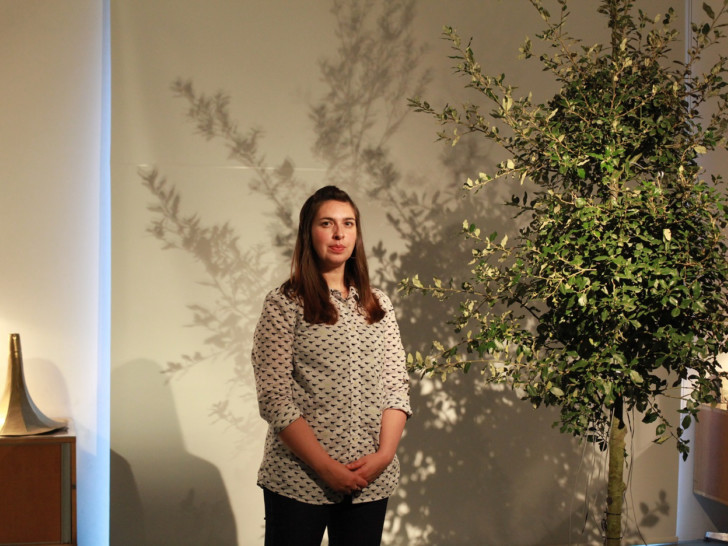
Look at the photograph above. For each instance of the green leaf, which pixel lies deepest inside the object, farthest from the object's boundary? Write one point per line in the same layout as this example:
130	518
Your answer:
635	376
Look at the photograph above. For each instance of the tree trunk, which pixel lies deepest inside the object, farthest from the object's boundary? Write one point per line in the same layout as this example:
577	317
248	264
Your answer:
615	484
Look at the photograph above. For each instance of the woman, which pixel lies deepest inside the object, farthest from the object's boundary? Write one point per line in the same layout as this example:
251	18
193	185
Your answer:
332	384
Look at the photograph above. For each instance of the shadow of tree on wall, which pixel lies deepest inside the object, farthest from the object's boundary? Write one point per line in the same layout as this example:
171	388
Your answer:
375	69
235	276
478	465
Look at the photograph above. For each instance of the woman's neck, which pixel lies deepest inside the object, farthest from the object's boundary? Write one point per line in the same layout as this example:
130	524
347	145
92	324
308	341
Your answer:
335	280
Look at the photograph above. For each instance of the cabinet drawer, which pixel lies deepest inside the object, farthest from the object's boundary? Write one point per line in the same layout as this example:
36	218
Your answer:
37	492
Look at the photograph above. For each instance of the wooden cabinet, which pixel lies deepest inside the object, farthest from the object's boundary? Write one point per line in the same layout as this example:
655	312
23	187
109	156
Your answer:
710	478
38	489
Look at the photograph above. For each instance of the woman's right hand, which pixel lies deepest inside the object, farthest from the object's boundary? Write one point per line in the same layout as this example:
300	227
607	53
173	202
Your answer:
341	479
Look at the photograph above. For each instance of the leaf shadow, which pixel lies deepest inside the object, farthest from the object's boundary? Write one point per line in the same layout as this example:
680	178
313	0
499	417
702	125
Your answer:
477	464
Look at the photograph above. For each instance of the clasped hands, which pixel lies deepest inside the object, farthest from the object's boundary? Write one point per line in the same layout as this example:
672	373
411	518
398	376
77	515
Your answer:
355	476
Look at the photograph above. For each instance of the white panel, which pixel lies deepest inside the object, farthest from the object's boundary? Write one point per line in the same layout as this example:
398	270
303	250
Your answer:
50	149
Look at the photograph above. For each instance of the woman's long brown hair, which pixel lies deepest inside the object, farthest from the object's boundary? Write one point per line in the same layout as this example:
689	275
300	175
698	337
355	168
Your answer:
308	285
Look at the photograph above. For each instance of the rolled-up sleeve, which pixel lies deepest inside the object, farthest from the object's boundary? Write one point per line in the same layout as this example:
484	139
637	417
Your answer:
395	377
273	361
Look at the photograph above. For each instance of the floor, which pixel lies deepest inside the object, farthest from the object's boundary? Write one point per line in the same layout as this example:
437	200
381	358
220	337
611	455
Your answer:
696	543
701	543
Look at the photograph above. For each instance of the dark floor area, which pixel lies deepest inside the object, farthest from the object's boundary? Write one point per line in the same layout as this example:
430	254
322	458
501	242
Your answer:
700	542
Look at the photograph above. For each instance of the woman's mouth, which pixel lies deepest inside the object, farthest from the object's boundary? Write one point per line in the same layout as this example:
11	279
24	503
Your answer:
337	249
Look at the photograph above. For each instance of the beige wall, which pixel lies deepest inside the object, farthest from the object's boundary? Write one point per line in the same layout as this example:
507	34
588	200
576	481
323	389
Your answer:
511	473
479	466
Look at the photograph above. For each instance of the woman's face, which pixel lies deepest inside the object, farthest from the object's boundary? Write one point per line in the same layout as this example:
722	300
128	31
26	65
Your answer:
334	234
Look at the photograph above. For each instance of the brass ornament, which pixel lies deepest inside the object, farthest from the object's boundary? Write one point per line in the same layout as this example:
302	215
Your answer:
19	416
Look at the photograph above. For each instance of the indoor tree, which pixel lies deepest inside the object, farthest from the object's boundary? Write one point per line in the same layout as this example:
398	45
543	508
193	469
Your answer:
614	293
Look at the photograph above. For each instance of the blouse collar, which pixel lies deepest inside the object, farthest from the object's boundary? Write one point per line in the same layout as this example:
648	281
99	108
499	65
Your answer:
353	293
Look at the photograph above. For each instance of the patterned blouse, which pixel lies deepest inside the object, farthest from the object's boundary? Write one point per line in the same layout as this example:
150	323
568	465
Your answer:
339	378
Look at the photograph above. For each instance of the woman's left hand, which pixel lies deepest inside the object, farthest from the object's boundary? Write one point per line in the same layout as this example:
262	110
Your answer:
370	466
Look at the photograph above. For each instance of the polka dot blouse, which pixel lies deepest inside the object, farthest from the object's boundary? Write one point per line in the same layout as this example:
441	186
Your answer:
339	378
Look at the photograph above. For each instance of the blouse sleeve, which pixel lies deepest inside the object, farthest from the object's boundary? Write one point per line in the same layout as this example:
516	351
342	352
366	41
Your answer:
273	361
396	379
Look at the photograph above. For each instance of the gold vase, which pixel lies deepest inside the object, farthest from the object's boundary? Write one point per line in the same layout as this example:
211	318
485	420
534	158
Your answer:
19	416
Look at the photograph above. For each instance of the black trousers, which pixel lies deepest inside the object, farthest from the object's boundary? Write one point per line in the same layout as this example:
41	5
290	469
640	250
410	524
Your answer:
290	522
